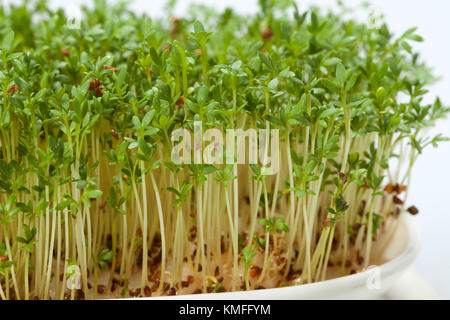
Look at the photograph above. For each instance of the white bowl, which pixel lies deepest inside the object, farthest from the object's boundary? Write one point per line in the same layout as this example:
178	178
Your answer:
370	284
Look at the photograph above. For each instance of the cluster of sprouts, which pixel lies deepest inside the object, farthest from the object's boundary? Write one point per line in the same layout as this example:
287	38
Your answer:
91	203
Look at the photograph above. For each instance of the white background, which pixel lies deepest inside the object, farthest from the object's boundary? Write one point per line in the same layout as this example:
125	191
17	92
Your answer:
430	188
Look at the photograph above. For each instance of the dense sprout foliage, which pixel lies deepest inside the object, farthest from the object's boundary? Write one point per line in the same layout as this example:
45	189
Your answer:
88	188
